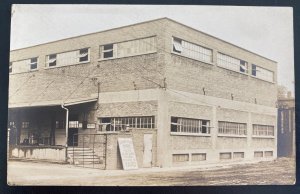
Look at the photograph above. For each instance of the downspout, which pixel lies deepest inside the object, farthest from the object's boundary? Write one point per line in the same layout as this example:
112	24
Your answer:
67	126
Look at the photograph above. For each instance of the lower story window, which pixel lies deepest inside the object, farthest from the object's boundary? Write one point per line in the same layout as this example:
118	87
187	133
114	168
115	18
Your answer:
225	156
237	155
186	125
258	154
268	154
180	157
232	128
263	130
198	156
122	123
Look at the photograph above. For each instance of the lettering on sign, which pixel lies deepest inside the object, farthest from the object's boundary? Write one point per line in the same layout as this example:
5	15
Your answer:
127	154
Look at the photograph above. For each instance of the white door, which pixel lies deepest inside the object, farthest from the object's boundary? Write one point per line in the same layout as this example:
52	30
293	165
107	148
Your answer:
147	157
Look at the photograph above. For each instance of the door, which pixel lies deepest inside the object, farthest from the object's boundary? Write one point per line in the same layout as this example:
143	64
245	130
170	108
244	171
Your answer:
72	138
147	155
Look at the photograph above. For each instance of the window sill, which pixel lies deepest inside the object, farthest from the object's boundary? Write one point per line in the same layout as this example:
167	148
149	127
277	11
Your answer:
231	135
209	63
246	74
263	137
262	79
190	134
34	70
53	67
111	58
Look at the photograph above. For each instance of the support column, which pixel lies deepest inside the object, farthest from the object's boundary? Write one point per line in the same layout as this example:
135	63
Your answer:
249	153
214	154
164	151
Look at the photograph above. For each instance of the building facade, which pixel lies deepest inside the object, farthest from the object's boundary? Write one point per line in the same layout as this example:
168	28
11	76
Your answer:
183	96
286	126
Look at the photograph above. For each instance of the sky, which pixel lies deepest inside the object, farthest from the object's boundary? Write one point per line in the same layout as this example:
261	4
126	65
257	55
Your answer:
267	31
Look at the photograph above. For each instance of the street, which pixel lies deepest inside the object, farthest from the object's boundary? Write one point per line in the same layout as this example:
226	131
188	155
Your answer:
278	172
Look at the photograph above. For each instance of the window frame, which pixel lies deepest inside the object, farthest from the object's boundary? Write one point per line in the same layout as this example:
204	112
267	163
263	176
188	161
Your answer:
115	124
220	134
29	63
254	69
195	44
187	126
245	72
255	135
57	65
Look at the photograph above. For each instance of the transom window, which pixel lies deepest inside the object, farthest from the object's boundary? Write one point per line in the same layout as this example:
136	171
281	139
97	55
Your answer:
123	123
263	130
192	50
128	48
25	124
232	63
186	125
23	65
68	58
232	128
262	73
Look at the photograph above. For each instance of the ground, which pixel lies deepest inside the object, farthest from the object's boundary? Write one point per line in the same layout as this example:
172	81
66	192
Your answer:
280	171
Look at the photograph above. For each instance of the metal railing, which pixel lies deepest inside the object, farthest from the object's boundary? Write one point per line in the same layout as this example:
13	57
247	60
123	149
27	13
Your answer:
88	150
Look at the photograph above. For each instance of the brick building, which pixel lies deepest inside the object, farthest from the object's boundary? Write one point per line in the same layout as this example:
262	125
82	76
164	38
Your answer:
183	96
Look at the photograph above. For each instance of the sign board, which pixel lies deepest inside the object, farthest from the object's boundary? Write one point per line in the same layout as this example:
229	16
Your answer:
91	126
127	154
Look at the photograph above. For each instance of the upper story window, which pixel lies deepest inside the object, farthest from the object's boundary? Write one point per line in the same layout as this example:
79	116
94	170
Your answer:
262	73
232	63
68	58
192	50
128	48
263	130
186	125
23	65
231	128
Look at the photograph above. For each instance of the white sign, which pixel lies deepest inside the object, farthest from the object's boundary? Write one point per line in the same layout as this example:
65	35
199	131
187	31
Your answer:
91	126
127	154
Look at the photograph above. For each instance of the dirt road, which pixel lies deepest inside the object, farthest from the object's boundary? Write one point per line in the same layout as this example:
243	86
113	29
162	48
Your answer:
281	171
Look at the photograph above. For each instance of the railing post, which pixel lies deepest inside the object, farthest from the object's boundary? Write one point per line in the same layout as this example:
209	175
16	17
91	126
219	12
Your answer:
83	150
93	148
73	150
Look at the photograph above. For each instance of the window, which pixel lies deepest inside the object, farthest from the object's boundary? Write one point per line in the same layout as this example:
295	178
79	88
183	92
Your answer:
231	63
83	55
268	154
108	51
192	50
180	157
186	125
52	60
33	63
198	156
128	48
73	124
60	124
122	123
258	154
237	155
25	125
263	130
232	128
10	67
23	65
262	73
225	156
68	58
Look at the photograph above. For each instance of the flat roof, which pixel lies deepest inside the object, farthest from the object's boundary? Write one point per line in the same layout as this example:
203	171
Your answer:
148	21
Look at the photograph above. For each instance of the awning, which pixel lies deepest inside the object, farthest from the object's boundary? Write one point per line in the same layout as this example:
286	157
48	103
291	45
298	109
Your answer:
53	103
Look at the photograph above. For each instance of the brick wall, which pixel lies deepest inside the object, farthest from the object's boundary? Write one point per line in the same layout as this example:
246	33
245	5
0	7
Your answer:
113	155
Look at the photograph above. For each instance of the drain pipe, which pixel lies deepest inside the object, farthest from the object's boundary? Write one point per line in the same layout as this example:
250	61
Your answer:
67	126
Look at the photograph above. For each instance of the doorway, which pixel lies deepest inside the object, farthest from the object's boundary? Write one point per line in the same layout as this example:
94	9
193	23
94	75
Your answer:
147	155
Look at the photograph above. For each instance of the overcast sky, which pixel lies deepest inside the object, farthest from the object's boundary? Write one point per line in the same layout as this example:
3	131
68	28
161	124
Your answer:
267	31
